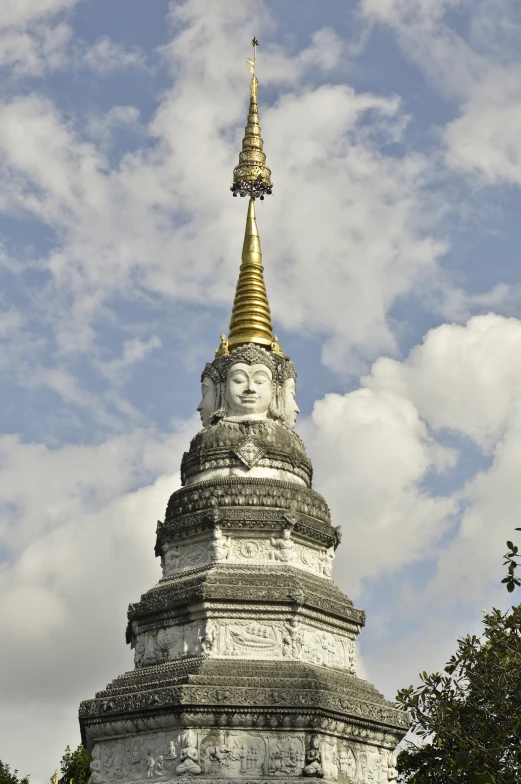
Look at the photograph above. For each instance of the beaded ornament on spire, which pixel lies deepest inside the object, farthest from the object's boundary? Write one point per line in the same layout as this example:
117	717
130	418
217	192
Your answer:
252	177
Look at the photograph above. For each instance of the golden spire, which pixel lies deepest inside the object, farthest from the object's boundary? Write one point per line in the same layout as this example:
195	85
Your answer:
252	177
251	318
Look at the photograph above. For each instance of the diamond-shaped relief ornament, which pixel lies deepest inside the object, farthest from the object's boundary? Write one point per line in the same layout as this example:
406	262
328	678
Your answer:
249	452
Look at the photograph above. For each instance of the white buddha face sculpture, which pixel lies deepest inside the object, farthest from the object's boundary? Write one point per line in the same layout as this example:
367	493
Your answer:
249	390
289	404
207	405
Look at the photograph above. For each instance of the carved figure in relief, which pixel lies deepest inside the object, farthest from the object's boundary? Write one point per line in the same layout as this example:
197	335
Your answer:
139	653
329	649
326	561
290	408
282	760
95	766
255	635
151	649
172	559
215	755
249	391
292	639
208	640
314	759
362	759
189	759
150	766
166	643
160	765
282	549
347	762
136	755
222	545
172	754
208	402
249	549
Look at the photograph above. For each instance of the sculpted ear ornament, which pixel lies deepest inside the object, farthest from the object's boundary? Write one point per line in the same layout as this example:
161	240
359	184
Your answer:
275	413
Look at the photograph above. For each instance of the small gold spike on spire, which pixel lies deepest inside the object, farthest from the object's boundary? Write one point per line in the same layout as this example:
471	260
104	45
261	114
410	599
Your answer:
252	177
251	317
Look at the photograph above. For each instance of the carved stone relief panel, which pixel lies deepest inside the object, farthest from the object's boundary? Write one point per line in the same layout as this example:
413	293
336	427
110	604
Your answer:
135	758
225	754
236	755
173	642
261	638
182	556
327	649
354	763
179	557
251	640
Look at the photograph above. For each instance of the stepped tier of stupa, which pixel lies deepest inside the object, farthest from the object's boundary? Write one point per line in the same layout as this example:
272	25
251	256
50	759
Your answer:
245	650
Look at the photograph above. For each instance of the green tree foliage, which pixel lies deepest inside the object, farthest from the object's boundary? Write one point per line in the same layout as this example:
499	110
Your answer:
511	559
11	777
467	721
75	765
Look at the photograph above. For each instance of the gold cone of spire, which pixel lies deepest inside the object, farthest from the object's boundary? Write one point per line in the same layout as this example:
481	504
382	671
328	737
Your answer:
251	318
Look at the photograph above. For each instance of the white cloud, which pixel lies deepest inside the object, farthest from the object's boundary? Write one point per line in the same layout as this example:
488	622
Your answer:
486	138
23	12
32	42
479	70
35	51
134	351
106	55
372	454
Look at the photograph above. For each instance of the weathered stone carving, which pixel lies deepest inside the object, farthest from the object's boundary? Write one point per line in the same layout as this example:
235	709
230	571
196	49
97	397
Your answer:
283	549
209	392
196	553
346	762
222	545
266	751
250	492
314	759
189	758
290	409
326	561
95	766
246	448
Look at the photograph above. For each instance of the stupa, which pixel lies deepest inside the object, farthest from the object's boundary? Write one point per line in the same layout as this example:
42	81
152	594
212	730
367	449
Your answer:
245	663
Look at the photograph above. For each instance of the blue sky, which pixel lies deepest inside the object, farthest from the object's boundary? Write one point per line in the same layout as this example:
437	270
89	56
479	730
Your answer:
393	131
